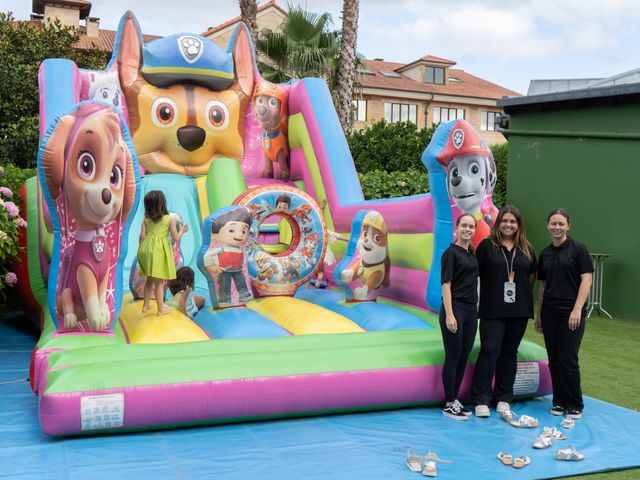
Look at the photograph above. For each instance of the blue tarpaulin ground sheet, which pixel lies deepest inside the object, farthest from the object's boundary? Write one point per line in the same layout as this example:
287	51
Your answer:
350	446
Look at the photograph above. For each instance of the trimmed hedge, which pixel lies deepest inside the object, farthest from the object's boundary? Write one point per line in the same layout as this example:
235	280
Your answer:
379	184
388	160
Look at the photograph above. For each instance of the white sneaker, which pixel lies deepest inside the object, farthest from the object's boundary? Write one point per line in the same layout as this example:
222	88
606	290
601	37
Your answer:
502	407
482	411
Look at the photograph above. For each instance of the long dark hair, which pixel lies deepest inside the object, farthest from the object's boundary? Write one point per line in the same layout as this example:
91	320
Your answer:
471	249
520	239
155	205
184	278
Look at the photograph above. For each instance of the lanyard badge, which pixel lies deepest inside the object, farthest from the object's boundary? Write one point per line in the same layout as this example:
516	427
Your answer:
509	285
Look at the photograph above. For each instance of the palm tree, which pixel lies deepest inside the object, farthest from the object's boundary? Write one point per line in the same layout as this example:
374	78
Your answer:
248	11
305	47
347	62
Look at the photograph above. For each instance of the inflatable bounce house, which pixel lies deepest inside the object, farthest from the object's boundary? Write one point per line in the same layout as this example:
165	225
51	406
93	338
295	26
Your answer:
316	301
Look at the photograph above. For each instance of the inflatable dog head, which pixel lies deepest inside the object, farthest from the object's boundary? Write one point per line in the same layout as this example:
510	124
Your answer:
471	169
187	98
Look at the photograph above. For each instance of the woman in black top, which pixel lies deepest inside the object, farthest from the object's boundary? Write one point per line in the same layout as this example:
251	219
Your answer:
565	272
459	312
507	274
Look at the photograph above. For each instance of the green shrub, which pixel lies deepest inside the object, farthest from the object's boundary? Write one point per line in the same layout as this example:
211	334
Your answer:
380	184
500	155
10	221
14	177
22	50
389	147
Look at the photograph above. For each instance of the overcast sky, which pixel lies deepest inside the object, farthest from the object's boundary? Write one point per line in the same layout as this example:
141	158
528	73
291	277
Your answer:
508	43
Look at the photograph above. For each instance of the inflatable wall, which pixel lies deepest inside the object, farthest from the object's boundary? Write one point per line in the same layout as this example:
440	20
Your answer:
262	175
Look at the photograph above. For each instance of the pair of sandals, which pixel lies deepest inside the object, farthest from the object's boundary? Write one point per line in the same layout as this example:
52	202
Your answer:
426	464
517	462
545	439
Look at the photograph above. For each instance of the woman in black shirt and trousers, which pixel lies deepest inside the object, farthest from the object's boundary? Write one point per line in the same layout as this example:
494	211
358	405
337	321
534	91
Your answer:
507	274
459	312
565	272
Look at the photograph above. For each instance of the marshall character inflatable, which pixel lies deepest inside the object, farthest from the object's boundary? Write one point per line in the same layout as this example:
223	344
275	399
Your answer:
471	176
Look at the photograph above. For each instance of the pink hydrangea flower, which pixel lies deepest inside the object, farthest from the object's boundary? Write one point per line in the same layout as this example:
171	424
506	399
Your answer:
22	223
6	192
11	278
11	209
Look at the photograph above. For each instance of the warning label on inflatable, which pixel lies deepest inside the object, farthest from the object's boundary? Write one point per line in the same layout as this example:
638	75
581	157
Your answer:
527	378
102	411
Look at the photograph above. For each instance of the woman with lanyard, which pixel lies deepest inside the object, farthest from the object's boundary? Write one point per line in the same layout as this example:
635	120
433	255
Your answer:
565	272
459	312
507	273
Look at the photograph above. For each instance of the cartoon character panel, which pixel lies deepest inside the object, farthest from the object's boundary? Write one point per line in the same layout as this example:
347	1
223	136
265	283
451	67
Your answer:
366	264
471	176
86	165
270	110
222	258
283	273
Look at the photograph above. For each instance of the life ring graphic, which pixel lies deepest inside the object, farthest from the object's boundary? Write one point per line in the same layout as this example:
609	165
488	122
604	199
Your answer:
283	272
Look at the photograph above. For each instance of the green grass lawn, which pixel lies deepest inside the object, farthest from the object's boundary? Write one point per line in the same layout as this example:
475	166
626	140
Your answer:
609	357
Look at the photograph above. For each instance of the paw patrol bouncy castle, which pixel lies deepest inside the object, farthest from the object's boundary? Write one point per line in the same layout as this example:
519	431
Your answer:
263	177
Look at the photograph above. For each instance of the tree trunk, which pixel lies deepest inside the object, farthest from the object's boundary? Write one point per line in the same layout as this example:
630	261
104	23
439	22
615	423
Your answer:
248	11
347	62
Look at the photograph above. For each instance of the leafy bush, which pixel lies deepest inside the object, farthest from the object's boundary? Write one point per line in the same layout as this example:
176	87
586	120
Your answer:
10	221
22	50
379	184
500	155
14	177
389	147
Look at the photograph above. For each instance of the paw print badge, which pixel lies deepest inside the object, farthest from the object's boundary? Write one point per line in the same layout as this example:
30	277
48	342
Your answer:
190	48
458	138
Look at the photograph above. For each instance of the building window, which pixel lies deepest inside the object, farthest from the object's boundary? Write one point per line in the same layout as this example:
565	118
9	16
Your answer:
444	114
434	75
359	110
488	120
400	112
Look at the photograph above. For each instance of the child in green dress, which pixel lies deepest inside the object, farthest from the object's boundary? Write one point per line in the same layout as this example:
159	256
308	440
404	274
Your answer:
155	257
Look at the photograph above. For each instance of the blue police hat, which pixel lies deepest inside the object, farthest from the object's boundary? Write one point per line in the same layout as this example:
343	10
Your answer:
187	58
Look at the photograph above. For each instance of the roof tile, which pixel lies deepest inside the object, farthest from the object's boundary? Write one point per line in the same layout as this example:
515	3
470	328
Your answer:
235	20
468	86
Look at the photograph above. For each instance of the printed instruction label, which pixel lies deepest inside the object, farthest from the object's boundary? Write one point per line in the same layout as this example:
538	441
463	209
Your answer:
102	411
527	378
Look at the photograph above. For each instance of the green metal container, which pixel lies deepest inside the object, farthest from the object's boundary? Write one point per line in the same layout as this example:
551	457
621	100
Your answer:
581	150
